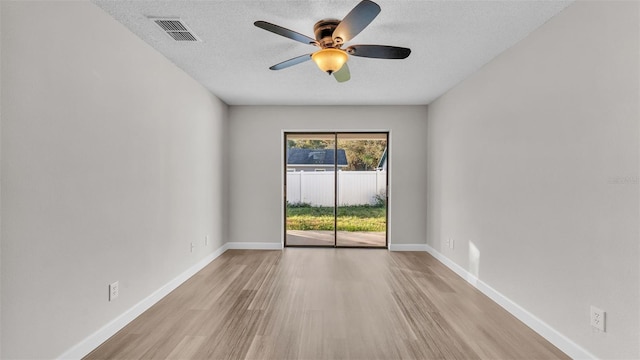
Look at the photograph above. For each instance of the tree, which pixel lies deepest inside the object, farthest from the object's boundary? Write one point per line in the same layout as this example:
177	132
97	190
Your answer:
310	144
363	154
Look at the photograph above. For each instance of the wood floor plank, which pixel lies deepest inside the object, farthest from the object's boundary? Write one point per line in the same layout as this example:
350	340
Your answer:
187	348
326	304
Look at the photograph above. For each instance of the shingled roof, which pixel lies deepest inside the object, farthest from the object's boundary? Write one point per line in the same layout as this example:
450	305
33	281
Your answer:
298	156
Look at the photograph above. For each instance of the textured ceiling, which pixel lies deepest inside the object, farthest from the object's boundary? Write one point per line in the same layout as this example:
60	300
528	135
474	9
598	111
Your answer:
449	40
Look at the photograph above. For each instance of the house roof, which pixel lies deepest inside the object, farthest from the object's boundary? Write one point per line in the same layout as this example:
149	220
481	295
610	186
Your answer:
382	164
297	156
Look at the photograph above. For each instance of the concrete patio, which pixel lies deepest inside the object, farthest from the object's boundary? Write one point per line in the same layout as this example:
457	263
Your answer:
326	238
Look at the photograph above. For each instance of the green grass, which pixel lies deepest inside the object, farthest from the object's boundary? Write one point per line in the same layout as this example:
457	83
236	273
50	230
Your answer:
350	218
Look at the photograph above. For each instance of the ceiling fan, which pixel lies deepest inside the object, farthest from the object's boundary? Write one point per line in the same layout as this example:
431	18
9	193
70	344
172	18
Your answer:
331	34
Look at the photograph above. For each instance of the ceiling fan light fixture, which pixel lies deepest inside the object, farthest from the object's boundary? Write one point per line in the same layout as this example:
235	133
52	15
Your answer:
330	60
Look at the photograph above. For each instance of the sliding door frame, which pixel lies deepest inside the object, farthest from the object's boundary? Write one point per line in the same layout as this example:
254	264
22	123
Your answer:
335	189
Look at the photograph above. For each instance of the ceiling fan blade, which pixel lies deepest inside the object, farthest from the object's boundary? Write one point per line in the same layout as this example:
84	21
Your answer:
295	61
343	74
356	20
379	51
276	29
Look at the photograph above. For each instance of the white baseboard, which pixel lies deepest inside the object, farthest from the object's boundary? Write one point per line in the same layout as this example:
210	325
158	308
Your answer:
94	340
254	246
408	247
563	343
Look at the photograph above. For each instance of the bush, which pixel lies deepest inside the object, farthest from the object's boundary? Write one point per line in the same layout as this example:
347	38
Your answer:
380	200
298	205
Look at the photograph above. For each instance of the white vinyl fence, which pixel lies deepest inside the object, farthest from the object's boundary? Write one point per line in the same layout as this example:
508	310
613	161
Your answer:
354	187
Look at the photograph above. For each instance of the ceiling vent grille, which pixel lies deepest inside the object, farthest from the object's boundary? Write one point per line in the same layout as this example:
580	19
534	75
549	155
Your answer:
176	29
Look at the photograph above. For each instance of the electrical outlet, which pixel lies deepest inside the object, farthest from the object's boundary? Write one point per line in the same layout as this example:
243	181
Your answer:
206	240
192	246
114	290
449	243
598	318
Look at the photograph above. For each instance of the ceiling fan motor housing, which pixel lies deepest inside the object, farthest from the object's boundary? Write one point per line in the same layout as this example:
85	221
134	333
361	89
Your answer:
323	31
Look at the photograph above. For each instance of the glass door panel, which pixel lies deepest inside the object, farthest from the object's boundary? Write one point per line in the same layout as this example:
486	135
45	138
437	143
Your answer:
310	189
361	214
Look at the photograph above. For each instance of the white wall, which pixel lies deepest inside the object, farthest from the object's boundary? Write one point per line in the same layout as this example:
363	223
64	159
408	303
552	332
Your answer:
112	163
533	172
256	148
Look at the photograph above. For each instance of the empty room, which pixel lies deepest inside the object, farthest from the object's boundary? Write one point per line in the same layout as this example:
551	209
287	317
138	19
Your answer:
340	179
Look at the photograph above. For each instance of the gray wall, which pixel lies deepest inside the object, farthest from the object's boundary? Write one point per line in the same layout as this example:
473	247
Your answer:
533	172
256	162
112	163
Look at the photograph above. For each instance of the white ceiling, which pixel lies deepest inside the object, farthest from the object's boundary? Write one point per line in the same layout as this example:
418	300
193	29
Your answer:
449	40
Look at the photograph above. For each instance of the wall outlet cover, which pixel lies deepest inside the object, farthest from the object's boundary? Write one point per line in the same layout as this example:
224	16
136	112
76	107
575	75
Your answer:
598	318
114	290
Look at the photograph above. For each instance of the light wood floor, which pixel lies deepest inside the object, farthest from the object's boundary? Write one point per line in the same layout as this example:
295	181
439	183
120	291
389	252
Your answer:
326	304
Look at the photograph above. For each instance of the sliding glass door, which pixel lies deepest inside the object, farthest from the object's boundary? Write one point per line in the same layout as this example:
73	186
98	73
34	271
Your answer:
310	189
336	189
361	211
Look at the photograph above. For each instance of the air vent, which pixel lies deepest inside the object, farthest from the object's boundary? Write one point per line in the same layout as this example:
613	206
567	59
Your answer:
176	29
